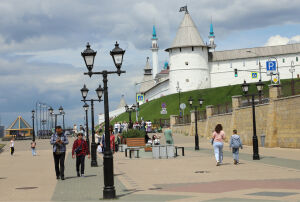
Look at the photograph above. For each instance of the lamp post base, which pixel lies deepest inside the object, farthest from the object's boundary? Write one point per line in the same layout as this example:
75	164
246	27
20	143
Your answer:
94	155
255	148
109	192
196	142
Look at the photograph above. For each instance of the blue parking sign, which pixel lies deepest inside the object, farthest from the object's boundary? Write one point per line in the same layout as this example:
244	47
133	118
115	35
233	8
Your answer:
271	65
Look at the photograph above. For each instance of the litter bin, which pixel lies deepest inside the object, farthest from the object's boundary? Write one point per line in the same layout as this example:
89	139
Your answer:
163	151
262	140
170	151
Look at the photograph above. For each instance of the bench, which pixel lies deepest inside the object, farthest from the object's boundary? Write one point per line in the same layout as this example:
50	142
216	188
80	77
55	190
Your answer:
135	142
132	149
182	150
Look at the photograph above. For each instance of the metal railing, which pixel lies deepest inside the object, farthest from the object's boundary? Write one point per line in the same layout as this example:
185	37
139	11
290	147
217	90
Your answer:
186	119
222	108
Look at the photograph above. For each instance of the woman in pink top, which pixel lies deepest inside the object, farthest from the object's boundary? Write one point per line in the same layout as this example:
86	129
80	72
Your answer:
218	138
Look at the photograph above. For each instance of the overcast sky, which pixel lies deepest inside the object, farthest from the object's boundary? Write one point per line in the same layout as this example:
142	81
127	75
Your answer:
41	41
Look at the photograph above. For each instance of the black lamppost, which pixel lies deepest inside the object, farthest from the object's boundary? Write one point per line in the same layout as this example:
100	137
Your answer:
84	92
33	132
61	111
129	110
292	70
245	87
196	119
86	109
63	115
108	169
178	90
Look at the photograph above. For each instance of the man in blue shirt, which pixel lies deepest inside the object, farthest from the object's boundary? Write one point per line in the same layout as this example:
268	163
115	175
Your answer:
59	141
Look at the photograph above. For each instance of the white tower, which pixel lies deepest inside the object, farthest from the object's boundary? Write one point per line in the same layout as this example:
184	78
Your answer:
211	37
154	49
188	58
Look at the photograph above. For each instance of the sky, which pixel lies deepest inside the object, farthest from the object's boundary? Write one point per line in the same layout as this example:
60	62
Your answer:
41	42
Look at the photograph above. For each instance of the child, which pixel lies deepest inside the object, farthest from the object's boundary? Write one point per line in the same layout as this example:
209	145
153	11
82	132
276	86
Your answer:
12	146
33	144
235	143
80	147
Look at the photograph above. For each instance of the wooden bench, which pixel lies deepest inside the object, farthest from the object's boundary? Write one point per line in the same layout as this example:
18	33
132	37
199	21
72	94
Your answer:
132	149
135	142
182	150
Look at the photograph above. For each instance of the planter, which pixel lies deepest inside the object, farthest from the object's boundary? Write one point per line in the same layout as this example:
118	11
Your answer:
135	142
148	149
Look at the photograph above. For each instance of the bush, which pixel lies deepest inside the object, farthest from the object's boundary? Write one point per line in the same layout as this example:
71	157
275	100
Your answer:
132	133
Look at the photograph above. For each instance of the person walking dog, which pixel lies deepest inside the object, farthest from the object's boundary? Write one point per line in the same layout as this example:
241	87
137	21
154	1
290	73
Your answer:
80	148
218	138
235	143
59	141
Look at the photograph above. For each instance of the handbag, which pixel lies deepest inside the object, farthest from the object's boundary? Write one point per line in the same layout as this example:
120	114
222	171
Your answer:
212	141
79	149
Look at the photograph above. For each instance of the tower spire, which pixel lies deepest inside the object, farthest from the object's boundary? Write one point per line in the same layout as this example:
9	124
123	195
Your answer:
154	49
211	36
154	33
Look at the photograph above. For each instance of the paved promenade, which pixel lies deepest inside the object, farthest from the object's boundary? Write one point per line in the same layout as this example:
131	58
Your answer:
193	177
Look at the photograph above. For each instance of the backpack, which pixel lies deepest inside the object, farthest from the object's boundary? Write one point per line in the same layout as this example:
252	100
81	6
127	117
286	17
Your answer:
235	143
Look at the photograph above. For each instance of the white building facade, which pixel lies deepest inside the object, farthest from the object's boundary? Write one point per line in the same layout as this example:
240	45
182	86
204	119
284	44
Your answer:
196	65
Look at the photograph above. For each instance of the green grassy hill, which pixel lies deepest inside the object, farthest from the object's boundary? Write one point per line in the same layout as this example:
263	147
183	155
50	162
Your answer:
211	96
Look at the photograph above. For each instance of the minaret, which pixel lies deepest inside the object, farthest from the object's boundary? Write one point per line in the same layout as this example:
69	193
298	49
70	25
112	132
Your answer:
154	49
148	81
211	37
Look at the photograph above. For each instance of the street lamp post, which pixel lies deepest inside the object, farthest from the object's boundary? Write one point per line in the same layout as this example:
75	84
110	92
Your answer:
117	54
245	88
84	92
292	70
86	108
33	132
178	90
129	110
196	119
61	112
63	115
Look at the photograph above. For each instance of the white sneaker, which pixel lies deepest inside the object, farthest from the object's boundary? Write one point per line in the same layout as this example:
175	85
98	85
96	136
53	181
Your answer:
82	175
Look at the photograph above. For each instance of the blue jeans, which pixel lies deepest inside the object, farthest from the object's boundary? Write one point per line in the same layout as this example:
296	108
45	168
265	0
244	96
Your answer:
218	148
235	153
33	152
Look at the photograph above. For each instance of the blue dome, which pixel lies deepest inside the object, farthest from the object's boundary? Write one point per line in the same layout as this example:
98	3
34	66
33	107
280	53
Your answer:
166	65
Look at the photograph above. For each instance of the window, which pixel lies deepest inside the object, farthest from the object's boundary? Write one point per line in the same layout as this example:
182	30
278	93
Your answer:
187	80
180	49
256	61
192	48
244	63
283	60
186	63
230	64
296	59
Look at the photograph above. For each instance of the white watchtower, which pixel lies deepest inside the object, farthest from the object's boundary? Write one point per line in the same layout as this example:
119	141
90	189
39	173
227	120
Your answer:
154	49
188	58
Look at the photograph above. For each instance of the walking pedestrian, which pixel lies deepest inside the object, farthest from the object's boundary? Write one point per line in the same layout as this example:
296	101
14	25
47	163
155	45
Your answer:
218	138
80	148
12	146
33	145
59	141
235	143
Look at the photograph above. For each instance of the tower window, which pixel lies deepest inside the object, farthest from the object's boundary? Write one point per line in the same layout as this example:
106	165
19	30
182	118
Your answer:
296	59
180	49
187	80
244	63
186	63
283	60
192	48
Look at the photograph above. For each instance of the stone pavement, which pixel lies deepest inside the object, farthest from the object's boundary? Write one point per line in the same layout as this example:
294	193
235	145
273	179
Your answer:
193	177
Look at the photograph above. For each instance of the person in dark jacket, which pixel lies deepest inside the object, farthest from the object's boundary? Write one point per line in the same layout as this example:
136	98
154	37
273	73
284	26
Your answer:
59	141
80	148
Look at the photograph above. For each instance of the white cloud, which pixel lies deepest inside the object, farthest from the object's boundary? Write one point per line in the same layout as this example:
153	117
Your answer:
280	40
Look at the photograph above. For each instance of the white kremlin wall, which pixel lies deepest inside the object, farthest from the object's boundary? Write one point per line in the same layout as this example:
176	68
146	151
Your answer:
222	72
